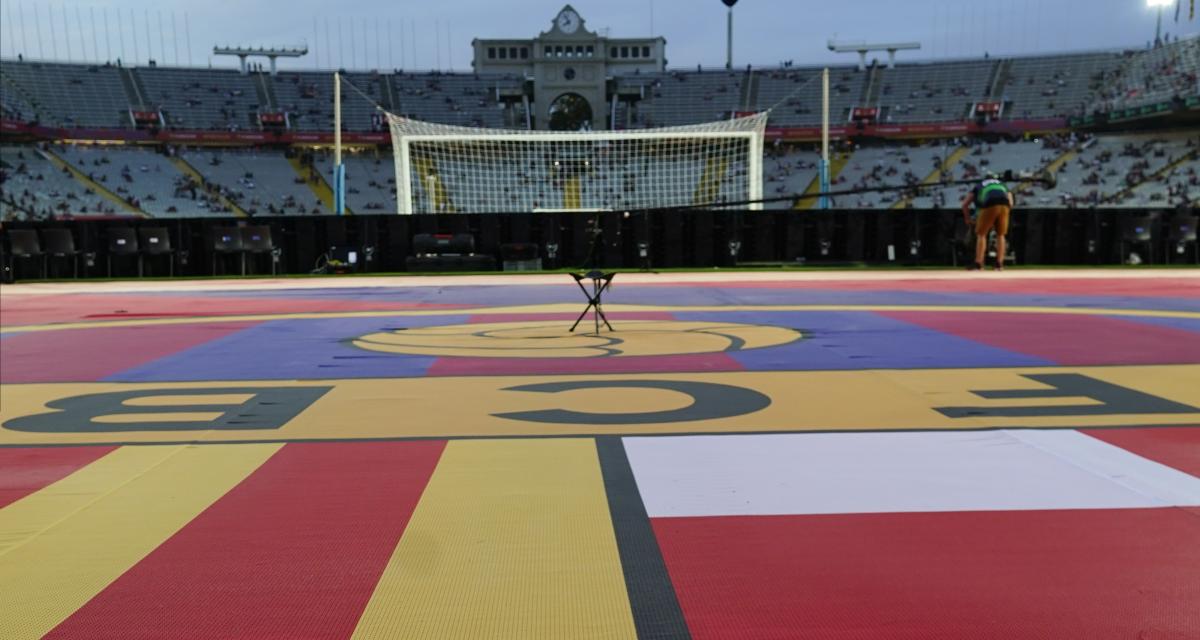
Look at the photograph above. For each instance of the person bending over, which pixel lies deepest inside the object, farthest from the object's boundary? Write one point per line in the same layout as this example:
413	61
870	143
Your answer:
993	204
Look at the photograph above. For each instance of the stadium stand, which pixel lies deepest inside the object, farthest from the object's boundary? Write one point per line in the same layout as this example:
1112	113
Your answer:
70	95
33	187
143	177
260	181
680	97
931	92
201	98
796	94
1151	76
1107	171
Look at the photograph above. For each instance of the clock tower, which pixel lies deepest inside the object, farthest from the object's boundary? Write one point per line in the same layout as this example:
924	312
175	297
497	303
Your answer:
571	68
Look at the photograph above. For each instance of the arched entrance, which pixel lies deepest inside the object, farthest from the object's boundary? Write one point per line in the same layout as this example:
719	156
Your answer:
570	112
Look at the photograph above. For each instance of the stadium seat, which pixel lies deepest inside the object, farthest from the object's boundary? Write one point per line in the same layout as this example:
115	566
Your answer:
227	241
1137	231
59	243
122	242
1181	235
23	243
256	241
156	241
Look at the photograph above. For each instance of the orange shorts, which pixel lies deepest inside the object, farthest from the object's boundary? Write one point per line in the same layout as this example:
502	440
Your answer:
995	215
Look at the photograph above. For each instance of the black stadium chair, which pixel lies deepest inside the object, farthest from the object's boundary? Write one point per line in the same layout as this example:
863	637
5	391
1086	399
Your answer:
227	241
1137	231
123	242
156	242
1181	234
23	244
256	241
60	244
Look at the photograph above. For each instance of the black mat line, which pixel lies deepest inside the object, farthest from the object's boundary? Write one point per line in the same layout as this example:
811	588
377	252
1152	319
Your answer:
656	611
555	436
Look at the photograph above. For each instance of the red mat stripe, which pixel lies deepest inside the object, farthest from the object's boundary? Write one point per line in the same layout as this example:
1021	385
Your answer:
24	471
986	283
90	355
1065	575
83	306
1066	340
294	551
1176	447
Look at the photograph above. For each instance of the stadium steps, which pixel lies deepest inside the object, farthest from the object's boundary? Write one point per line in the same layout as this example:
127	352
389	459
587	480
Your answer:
266	93
836	163
750	91
874	84
61	163
936	175
430	177
1001	72
187	168
1166	169
320	187
388	97
7	84
573	193
133	91
710	183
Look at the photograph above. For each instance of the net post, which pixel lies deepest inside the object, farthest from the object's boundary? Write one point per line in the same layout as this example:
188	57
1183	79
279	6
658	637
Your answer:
824	178
339	169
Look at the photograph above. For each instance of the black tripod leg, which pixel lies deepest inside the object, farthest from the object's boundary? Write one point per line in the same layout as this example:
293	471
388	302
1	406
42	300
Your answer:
580	318
600	316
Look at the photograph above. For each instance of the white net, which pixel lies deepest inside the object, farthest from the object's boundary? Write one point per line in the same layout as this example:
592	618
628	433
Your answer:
444	168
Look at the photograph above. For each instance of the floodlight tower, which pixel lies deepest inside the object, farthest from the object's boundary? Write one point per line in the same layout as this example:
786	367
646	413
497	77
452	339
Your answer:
729	34
1159	4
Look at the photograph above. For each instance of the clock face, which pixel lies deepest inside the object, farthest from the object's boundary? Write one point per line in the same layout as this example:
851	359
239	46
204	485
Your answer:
568	21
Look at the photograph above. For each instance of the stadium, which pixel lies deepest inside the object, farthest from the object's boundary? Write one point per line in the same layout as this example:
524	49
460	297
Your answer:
888	344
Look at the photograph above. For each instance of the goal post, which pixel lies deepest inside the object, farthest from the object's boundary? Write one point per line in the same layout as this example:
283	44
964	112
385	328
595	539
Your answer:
446	169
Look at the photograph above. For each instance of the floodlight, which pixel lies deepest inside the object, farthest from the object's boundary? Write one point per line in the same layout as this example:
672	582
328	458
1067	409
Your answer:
1158	3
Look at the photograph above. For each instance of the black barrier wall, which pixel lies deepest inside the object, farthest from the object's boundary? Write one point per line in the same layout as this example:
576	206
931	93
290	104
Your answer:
666	239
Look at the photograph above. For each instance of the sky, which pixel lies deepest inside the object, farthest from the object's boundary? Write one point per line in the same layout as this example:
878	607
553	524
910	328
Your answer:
366	34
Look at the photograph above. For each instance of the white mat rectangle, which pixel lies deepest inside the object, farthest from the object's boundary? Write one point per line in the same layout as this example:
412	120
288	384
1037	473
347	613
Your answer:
822	473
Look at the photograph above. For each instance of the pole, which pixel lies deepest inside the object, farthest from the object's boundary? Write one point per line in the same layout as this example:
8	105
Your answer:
339	170
824	169
729	40
1158	30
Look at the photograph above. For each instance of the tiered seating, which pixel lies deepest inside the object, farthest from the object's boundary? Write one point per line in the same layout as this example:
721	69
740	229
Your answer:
72	95
458	99
370	181
1153	76
788	172
32	184
13	105
932	92
201	98
797	94
142	176
680	97
260	181
1055	86
885	166
308	99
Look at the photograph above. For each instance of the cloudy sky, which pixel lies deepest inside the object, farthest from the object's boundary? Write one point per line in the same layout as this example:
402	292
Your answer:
437	35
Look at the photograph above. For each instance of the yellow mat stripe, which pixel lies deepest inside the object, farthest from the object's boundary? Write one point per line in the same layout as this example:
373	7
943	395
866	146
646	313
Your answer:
511	539
62	545
564	308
